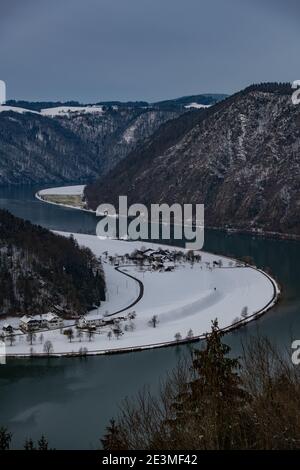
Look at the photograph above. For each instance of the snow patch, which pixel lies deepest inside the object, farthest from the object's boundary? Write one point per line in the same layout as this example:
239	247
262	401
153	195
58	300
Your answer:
197	106
71	110
15	109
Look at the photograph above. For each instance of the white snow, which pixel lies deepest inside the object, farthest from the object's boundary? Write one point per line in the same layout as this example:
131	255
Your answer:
69	110
186	298
128	135
76	190
197	106
58	111
15	109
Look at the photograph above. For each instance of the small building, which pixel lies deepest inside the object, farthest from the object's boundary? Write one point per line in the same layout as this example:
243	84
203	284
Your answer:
28	323
8	328
51	320
91	321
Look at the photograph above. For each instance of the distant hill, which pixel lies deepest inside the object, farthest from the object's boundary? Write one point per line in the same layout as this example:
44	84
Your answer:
181	103
39	270
73	142
205	99
39	105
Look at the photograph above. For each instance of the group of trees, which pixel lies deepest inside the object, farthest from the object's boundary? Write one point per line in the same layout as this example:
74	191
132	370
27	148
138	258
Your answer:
244	315
70	334
6	440
39	269
215	401
154	321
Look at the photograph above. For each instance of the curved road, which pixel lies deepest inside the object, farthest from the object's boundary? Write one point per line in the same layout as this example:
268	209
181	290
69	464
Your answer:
141	293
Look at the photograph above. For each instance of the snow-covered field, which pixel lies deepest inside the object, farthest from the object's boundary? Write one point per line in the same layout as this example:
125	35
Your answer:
197	106
59	111
15	109
68	110
189	297
76	190
64	190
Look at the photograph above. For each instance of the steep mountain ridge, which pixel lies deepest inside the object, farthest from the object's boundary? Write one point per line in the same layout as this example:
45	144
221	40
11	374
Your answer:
36	148
241	159
58	142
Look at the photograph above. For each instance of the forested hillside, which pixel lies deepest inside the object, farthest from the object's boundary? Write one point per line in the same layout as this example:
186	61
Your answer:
240	158
39	270
47	142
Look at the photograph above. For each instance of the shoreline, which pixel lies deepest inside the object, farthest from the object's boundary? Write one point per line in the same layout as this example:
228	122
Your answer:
264	234
40	198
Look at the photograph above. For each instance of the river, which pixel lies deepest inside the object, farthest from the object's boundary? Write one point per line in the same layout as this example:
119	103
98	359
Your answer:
70	400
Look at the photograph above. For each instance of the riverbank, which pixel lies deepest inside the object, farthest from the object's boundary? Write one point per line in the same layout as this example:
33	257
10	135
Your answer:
66	196
58	196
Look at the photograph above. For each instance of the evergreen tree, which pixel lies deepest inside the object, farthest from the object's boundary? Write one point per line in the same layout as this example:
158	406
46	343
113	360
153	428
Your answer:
112	440
5	439
43	443
212	396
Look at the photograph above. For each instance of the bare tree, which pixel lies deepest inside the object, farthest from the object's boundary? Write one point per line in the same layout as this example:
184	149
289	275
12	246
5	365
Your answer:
11	338
31	337
69	333
190	334
83	351
177	336
132	315
48	347
90	334
244	313
154	321
109	335
79	334
41	338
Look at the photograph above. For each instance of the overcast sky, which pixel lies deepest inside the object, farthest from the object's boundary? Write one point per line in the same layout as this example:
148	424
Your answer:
92	50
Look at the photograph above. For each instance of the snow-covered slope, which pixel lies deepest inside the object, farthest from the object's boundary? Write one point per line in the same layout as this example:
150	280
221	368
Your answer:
197	106
68	110
15	109
76	190
59	111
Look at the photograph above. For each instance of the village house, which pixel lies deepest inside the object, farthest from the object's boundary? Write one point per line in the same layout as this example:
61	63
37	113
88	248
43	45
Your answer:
29	323
91	321
8	328
48	320
51	320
